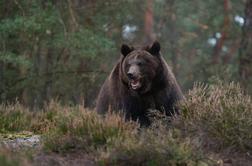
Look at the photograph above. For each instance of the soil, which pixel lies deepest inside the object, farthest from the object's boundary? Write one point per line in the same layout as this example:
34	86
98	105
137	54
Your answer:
71	159
26	141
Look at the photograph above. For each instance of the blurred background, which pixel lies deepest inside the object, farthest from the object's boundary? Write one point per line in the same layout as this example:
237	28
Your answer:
64	49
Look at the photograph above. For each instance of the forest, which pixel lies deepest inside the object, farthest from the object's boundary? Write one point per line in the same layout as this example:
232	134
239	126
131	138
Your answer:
56	54
64	49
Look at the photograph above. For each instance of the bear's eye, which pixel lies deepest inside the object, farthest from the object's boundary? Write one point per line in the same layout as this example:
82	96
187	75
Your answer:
139	63
127	65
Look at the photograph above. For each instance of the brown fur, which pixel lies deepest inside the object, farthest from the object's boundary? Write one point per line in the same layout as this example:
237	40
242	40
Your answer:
159	91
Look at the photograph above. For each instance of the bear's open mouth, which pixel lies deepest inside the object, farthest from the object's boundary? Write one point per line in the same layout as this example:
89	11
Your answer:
135	84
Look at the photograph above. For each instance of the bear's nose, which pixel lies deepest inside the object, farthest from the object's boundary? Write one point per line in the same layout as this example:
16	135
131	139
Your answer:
130	75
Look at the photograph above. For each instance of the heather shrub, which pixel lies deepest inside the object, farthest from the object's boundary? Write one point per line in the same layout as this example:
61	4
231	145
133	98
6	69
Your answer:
79	128
222	112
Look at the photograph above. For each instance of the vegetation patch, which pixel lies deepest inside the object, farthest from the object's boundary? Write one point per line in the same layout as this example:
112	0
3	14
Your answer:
78	128
152	146
115	141
215	123
18	119
221	112
9	158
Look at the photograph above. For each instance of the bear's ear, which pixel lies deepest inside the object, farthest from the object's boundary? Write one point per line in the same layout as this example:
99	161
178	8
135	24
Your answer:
155	48
125	49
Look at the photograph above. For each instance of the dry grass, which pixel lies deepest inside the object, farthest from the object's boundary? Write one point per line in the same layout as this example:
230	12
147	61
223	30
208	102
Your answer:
214	118
14	118
115	141
221	112
154	146
79	128
9	158
17	118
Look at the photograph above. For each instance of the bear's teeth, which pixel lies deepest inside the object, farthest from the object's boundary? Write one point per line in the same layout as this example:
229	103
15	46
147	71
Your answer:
135	84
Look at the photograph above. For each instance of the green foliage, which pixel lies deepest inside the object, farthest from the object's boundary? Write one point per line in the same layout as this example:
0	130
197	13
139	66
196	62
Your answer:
65	49
84	43
43	44
189	26
11	58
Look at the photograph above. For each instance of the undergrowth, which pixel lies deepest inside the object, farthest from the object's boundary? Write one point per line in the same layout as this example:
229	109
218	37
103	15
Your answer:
17	118
221	112
9	158
154	146
79	128
213	118
115	141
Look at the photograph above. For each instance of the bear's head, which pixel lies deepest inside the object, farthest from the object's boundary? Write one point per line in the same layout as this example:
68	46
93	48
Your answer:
140	66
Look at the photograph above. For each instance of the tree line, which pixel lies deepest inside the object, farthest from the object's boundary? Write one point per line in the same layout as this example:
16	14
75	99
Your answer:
63	50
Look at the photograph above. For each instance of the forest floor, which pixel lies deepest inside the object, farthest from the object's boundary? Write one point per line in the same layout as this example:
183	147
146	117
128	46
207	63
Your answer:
214	128
21	144
30	145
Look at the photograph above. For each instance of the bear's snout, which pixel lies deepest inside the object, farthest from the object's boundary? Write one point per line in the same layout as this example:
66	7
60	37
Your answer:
133	73
131	76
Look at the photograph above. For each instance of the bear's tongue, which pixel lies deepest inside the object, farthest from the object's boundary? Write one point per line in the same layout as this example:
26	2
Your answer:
135	84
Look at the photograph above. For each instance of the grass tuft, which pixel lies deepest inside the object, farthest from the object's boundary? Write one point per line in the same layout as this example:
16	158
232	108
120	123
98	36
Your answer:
221	112
17	118
78	128
115	141
14	118
9	158
153	146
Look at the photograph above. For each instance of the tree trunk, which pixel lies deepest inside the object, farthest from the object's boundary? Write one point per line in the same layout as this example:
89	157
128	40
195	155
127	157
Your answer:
1	82
245	56
224	33
148	23
174	37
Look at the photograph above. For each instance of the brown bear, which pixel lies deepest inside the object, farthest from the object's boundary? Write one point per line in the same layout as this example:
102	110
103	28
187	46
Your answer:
140	81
